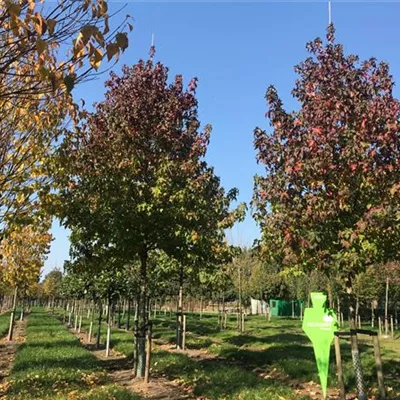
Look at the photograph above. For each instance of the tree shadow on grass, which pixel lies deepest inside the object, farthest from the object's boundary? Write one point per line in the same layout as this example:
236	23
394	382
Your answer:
215	379
242	340
83	362
198	343
55	344
116	364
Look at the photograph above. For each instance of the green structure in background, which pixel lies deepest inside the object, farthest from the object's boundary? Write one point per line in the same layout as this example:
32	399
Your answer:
320	324
286	308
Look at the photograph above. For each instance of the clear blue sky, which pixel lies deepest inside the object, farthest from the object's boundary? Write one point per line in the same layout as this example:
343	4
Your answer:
237	50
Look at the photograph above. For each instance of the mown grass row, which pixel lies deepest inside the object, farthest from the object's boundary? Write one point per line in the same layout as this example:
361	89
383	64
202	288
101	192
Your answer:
207	378
4	323
278	345
52	364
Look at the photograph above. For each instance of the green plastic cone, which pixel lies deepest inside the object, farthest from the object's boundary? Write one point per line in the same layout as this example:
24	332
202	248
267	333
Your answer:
320	324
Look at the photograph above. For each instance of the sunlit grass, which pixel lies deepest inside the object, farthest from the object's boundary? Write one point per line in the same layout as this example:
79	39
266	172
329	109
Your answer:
52	365
278	345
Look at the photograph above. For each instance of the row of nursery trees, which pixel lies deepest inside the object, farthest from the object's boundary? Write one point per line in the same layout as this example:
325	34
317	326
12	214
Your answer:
220	288
130	179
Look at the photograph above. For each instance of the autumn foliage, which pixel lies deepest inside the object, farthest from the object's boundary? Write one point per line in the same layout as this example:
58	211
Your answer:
330	194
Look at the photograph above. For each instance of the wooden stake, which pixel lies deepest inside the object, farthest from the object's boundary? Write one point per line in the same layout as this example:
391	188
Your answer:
108	338
90	331
379	371
391	326
148	354
76	322
339	369
184	333
135	347
386	308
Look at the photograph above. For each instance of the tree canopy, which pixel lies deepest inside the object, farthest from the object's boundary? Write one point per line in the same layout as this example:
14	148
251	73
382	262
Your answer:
330	194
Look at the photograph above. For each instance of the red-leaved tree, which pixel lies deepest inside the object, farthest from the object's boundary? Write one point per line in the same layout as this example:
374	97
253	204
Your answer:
330	195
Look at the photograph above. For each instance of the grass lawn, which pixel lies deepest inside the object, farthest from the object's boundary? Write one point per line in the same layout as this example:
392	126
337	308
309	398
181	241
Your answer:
278	349
281	347
52	365
4	323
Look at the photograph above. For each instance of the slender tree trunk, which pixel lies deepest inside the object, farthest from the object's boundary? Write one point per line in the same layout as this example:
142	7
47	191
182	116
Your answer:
356	355
179	314
357	309
128	315
386	307
240	319
21	317
142	317
12	317
110	317
91	324
98	336
372	314
119	315
330	297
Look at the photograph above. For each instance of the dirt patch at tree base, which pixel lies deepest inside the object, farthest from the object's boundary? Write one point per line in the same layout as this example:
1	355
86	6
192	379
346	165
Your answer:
119	369
159	388
8	350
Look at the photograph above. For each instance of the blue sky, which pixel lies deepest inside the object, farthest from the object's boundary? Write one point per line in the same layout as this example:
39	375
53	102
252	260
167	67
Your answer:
237	49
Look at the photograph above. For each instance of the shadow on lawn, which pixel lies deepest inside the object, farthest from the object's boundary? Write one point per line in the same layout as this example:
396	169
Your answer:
116	364
242	340
214	379
83	362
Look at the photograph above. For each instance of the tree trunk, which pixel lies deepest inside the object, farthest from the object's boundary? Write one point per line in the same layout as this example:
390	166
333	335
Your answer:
142	317
357	310
14	307
99	325
240	319
108	336
330	297
356	355
386	308
179	320
110	317
372	314
128	315
21	317
91	324
119	315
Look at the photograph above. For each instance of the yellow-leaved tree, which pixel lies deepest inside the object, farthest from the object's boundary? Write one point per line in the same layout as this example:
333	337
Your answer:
23	252
46	48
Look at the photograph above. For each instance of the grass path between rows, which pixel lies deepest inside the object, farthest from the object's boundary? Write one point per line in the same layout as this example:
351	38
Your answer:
52	365
271	360
205	377
8	348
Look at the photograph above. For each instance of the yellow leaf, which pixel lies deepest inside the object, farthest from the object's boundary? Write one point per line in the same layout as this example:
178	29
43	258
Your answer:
122	40
112	49
40	45
14	9
51	23
95	63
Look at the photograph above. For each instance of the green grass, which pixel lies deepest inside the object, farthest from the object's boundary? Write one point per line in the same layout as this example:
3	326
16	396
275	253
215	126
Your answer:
279	345
52	365
4	323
